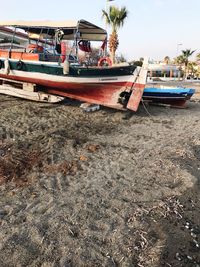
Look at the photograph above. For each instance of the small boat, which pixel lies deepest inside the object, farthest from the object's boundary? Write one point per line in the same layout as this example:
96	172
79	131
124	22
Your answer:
174	96
54	74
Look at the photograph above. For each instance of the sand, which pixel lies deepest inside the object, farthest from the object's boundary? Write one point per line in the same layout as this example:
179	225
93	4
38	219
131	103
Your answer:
106	188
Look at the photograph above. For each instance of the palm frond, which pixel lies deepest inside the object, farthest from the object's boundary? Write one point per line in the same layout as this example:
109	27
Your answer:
115	16
106	16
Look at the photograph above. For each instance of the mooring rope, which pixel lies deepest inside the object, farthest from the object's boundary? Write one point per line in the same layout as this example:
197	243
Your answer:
145	108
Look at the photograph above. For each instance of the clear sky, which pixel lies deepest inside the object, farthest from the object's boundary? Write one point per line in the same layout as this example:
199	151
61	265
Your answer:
154	28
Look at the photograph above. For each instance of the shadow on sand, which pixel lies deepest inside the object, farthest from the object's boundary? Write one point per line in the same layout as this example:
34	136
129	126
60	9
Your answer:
182	247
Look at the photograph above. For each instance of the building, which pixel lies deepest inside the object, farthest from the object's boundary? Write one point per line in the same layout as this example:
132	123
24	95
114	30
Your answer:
164	72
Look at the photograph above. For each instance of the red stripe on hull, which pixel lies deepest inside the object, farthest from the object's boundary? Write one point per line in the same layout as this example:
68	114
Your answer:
59	84
62	85
106	94
105	98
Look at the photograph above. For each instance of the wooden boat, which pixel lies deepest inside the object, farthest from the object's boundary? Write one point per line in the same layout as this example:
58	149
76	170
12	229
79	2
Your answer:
113	86
174	96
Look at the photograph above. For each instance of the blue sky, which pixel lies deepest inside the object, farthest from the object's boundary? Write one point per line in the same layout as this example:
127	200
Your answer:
154	28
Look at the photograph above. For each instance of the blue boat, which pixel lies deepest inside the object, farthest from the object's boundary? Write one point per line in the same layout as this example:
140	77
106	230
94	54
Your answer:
175	96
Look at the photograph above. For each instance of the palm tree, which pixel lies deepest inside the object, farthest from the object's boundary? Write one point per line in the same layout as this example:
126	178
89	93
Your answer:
179	60
186	54
192	68
115	18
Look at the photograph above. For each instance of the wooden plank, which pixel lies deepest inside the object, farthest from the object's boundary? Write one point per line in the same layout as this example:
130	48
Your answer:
138	88
18	84
29	87
29	95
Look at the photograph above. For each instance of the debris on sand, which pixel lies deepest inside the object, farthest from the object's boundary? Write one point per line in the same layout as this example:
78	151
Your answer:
64	167
14	165
88	107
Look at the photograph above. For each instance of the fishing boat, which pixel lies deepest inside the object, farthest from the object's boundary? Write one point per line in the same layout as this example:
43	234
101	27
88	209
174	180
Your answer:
174	96
37	70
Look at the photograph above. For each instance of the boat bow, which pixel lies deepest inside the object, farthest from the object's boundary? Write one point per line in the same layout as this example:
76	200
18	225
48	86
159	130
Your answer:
138	87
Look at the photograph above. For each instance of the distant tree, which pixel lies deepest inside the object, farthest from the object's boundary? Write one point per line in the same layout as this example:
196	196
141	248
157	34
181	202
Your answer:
167	60
179	60
185	56
121	58
115	18
137	62
198	57
192	68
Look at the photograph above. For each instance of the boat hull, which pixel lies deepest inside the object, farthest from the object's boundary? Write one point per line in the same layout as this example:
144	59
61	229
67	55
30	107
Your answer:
95	85
171	96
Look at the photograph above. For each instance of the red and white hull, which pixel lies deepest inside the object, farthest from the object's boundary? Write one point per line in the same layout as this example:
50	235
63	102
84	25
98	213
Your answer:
100	89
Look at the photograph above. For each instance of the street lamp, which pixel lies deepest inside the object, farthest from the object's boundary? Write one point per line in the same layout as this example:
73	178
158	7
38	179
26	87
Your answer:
177	50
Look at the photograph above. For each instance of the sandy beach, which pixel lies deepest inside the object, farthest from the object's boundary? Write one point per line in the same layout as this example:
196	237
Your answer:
107	188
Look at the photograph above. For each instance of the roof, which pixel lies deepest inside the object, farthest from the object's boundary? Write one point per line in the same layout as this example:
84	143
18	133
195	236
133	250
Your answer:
88	31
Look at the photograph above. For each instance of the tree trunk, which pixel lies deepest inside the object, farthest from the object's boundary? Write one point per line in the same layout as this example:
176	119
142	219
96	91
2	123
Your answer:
185	72
113	56
113	44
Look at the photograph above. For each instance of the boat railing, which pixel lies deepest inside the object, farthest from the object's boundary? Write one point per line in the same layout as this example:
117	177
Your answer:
27	54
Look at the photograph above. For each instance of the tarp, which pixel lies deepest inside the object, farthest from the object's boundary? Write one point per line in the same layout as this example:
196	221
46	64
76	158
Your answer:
87	30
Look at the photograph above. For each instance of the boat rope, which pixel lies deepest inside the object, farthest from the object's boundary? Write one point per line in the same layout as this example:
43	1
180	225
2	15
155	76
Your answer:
145	108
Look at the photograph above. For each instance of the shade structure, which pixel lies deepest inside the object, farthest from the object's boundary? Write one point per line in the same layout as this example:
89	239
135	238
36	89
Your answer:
86	30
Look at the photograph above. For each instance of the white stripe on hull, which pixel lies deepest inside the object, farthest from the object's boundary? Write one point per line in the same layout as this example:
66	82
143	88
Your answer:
70	79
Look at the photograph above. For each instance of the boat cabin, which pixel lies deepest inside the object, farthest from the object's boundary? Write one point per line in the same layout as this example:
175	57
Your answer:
46	40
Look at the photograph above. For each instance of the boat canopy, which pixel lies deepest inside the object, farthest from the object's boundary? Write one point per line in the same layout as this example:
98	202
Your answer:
84	29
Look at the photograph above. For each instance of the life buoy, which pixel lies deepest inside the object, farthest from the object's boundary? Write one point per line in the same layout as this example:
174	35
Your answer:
20	65
105	61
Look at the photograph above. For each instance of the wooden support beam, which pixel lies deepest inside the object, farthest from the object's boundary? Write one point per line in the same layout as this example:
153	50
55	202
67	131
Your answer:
30	95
